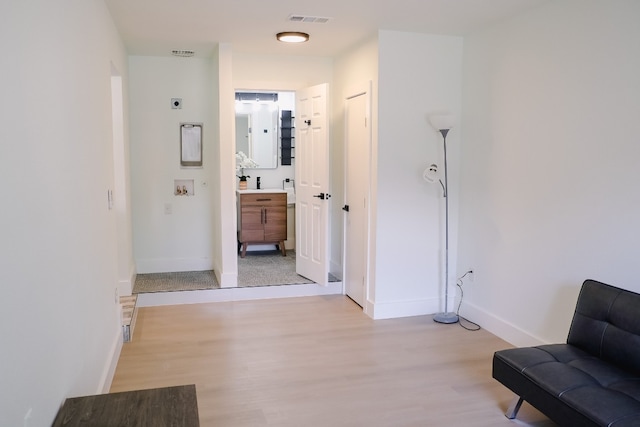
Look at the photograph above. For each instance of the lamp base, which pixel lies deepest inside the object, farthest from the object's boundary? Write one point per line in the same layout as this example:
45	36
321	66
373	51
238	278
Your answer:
446	318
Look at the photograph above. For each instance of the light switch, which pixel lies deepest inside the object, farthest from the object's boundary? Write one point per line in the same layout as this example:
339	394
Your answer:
168	209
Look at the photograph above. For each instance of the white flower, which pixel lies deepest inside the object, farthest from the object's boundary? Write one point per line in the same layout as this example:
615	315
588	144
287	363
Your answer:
244	162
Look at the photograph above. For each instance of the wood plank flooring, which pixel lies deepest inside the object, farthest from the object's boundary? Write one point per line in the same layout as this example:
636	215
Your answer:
318	361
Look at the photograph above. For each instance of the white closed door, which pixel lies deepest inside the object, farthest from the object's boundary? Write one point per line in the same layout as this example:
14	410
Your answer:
357	184
312	184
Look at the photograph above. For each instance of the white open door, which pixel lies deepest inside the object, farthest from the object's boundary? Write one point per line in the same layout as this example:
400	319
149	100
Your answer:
312	184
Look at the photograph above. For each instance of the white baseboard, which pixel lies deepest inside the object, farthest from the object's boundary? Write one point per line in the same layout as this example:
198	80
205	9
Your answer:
169	265
237	294
227	280
393	309
499	327
125	286
116	347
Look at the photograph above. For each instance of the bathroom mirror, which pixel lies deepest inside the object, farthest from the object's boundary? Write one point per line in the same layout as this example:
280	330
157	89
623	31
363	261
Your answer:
257	131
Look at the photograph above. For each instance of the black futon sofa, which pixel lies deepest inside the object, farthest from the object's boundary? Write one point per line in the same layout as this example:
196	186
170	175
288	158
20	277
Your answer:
593	379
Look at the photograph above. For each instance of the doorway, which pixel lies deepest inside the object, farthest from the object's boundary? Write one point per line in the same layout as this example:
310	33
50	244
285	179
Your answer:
307	176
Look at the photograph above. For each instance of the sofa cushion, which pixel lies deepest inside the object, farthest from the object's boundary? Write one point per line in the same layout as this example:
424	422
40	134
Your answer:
607	325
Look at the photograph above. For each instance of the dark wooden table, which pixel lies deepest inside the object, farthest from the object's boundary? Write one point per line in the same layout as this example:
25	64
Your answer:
158	407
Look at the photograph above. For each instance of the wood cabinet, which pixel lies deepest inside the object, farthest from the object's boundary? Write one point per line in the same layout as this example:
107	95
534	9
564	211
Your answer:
262	218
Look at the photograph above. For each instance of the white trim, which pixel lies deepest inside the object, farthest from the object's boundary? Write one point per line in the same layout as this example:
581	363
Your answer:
125	287
499	327
116	347
227	280
237	294
406	308
369	308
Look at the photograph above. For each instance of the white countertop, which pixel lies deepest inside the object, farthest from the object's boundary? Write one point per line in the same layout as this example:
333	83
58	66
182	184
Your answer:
262	190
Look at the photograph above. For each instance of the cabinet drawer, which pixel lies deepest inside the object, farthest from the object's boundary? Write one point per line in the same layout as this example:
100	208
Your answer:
266	199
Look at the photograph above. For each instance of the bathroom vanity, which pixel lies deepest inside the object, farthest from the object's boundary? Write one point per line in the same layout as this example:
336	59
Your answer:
262	218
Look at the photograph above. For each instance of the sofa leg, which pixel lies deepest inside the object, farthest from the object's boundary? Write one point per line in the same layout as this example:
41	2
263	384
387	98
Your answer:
514	407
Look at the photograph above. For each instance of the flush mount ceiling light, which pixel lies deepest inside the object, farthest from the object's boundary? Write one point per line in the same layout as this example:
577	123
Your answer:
292	37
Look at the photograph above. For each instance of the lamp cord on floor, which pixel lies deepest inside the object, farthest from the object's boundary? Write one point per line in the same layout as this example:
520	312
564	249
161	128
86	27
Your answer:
475	326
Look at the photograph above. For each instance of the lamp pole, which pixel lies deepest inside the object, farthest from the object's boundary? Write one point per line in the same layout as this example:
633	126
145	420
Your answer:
446	317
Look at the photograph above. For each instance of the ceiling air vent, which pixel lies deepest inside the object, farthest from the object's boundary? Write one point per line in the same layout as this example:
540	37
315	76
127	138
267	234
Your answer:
183	53
304	18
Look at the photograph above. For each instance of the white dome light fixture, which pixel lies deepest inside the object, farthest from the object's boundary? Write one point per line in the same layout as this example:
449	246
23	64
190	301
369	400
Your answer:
292	37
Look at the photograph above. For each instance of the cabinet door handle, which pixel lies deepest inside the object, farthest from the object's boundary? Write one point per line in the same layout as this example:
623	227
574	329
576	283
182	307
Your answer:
263	200
265	215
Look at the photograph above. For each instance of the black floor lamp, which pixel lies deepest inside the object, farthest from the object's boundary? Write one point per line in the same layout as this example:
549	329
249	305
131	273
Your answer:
443	124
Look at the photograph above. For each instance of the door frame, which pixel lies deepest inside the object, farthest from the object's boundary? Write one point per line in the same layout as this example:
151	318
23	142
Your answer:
295	91
360	89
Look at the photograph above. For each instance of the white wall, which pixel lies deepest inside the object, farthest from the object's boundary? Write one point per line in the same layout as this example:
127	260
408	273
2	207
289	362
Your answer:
550	164
121	195
224	214
184	239
418	75
277	72
59	321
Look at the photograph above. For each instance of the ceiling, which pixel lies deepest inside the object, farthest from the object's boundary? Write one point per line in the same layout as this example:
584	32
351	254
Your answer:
156	27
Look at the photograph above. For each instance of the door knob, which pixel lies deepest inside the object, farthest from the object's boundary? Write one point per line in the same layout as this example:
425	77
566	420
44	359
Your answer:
322	196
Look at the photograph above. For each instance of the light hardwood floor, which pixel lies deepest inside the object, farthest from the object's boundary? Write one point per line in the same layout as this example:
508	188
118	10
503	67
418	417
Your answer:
318	361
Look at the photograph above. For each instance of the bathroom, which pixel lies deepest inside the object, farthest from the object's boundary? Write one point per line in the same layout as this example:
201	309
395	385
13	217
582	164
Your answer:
259	137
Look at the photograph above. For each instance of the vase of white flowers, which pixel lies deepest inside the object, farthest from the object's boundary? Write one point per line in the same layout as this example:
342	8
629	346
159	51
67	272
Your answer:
243	162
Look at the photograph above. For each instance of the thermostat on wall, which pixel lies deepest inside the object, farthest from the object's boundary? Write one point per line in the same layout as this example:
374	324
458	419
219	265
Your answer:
176	103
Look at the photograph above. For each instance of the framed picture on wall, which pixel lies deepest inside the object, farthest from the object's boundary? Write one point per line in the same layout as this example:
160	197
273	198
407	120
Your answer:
191	144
